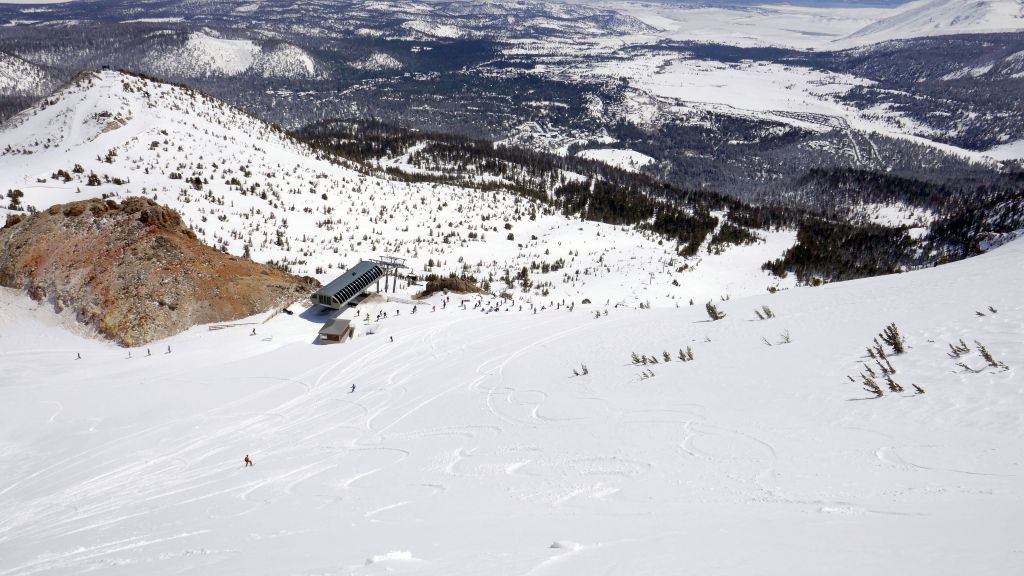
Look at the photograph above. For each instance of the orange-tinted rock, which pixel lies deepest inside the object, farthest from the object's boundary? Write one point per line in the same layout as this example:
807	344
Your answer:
135	271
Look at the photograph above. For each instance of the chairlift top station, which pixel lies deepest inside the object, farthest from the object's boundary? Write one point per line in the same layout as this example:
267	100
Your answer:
347	287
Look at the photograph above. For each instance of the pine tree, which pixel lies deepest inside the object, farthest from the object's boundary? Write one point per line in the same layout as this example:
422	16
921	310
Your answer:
891	336
988	357
871	386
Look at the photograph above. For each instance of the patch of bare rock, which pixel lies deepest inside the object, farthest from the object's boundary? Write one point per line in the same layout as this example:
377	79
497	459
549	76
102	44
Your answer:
134	270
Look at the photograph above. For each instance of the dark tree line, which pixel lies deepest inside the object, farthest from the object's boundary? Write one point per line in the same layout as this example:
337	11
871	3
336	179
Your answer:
831	251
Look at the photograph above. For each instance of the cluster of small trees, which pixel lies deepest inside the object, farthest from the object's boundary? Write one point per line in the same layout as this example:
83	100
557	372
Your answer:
15	197
961	349
583	370
643	359
891	337
713	312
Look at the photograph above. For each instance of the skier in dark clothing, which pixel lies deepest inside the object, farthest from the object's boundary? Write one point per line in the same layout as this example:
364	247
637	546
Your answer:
248	461
353	389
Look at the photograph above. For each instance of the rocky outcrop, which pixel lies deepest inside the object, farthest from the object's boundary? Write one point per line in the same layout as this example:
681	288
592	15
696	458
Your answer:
134	271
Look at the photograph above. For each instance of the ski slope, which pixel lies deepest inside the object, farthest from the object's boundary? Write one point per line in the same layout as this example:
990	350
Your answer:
468	447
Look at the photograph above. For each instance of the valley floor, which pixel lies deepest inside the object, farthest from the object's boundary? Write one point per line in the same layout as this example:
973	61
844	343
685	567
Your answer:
468	447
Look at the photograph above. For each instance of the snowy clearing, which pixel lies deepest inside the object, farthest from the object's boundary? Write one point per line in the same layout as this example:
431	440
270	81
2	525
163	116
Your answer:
626	159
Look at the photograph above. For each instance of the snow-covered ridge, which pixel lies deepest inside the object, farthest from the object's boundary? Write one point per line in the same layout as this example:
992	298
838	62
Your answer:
203	54
828	27
285	61
378	61
246	187
434	29
942	17
18	76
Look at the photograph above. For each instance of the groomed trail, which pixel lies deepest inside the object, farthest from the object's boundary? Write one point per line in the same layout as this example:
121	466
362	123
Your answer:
469	447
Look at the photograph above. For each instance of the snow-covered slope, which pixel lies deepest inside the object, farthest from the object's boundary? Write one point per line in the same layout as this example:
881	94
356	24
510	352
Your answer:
203	54
940	17
467	446
626	159
18	76
242	184
837	25
378	61
285	61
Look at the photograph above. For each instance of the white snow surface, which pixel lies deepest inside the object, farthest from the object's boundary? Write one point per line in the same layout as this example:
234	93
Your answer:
620	158
1010	150
204	54
378	61
820	27
668	85
207	55
285	61
468	447
434	29
941	17
18	76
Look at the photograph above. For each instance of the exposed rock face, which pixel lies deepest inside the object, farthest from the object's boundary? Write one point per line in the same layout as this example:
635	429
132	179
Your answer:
135	271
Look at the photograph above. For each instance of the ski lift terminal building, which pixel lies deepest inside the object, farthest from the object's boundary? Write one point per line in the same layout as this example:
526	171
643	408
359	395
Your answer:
345	288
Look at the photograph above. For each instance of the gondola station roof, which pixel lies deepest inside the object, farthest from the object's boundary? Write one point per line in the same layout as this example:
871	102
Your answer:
346	287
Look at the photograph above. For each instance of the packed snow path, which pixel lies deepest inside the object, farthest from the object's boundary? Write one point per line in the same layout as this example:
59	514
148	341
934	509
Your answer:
469	448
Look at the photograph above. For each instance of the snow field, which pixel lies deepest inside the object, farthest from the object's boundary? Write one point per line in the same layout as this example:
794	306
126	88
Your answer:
468	447
626	159
819	27
203	54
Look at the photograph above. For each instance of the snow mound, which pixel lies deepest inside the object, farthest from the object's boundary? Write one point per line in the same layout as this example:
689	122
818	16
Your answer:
434	29
285	61
393	555
206	55
378	61
620	158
